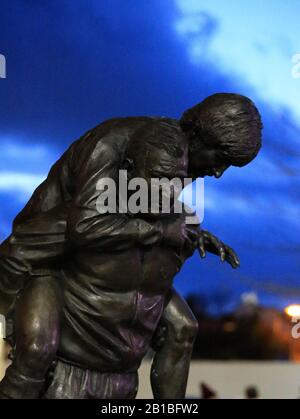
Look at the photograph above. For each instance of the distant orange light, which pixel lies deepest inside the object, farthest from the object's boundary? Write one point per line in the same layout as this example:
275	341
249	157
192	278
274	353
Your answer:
229	327
293	310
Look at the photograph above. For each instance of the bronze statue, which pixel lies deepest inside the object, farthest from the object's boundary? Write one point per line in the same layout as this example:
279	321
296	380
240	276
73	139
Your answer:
86	294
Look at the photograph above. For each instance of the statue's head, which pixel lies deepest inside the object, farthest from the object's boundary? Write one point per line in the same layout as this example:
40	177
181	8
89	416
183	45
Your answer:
160	152
224	130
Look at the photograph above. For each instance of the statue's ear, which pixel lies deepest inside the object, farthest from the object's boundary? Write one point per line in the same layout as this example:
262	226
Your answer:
127	164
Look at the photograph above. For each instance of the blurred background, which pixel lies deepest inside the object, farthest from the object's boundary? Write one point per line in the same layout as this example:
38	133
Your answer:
70	65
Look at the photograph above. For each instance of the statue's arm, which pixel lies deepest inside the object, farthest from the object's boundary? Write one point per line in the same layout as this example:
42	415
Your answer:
173	346
87	227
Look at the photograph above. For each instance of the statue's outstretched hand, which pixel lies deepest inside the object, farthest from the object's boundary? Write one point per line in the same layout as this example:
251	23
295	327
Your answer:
210	243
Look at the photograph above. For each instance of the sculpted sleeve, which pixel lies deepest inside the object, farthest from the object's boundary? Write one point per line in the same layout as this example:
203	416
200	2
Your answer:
85	225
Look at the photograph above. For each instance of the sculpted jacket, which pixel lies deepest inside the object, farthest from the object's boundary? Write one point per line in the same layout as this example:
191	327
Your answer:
62	215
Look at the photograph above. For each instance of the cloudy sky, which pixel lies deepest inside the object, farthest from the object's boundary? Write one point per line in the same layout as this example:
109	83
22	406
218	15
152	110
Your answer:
70	65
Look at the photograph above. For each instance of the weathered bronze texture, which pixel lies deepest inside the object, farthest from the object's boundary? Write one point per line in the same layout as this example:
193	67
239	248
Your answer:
85	294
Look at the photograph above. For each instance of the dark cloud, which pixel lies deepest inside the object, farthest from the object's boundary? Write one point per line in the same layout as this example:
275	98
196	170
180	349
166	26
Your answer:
70	67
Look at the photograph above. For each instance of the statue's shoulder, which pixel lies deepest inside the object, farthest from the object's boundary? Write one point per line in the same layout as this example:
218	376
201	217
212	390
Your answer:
152	125
109	138
114	134
133	123
117	130
165	129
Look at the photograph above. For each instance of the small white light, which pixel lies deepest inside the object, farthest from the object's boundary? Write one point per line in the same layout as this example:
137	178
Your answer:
293	310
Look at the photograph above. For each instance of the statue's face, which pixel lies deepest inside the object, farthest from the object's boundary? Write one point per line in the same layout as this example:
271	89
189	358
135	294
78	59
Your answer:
207	162
158	163
155	163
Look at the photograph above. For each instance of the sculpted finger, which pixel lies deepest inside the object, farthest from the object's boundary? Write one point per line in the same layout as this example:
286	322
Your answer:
222	253
232	258
201	247
218	247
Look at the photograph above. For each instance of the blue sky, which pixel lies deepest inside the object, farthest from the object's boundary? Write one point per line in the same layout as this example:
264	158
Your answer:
70	67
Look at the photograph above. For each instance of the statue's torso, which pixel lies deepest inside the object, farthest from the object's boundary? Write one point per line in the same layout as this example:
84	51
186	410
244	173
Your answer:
113	303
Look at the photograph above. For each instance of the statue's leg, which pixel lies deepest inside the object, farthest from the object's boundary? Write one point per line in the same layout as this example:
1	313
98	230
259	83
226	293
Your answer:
173	345
37	321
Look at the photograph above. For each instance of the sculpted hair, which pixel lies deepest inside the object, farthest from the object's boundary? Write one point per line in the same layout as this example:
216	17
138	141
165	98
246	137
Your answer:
227	122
